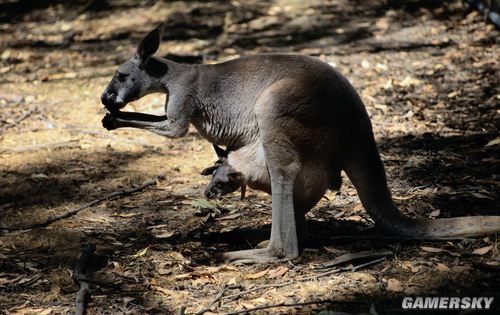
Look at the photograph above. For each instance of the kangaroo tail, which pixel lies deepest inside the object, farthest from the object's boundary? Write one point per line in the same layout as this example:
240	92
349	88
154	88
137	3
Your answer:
362	164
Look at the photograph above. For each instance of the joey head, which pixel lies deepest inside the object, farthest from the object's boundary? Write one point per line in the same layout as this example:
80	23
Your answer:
225	179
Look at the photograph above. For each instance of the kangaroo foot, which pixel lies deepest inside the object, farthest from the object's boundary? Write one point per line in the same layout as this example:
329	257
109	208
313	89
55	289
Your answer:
254	256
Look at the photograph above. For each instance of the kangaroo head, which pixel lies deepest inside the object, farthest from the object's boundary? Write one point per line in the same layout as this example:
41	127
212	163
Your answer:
138	76
225	179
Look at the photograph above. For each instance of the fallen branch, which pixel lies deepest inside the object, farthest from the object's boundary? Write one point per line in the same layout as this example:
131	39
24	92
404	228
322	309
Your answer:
121	192
354	256
79	275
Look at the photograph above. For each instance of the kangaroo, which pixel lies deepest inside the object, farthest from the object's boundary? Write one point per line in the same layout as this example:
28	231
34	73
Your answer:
292	124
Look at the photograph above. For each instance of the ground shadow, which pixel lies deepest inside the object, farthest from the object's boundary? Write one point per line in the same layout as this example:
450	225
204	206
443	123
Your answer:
50	184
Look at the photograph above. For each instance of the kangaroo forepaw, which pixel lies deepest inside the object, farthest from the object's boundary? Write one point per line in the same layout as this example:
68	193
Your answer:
109	122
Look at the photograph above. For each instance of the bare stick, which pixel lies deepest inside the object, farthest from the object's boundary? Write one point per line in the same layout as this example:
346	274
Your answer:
79	275
354	256
121	192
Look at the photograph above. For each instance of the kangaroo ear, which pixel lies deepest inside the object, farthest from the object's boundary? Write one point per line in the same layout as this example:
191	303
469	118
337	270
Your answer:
221	153
235	176
208	171
150	43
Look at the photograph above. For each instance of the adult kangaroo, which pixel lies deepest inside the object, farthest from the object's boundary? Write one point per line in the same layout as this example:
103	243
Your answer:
294	118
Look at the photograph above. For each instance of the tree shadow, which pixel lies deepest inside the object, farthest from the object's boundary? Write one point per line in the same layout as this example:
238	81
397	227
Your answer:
461	168
246	26
50	184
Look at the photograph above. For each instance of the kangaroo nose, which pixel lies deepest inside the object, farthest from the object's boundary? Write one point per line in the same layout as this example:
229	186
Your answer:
105	99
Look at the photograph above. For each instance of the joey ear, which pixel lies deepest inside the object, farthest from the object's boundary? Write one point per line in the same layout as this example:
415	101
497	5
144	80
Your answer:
208	171
150	43
235	176
221	153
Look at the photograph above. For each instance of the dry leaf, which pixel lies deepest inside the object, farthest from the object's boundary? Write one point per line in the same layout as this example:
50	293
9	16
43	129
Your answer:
493	142
357	208
229	217
482	250
442	267
278	272
233	281
167	292
388	85
434	213
410	81
140	253
431	249
354	218
394	285
165	234
410	266
481	196
257	275
247	305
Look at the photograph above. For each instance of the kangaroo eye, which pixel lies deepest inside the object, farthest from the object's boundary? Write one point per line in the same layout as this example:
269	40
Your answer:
121	76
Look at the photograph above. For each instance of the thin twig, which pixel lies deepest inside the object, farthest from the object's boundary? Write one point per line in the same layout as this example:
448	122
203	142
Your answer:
215	300
121	192
20	119
373	262
79	275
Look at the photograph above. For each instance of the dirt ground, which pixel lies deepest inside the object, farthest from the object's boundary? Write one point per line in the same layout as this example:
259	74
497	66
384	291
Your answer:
427	71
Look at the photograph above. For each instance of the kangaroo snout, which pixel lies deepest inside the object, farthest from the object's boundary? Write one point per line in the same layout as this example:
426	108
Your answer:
210	194
110	101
